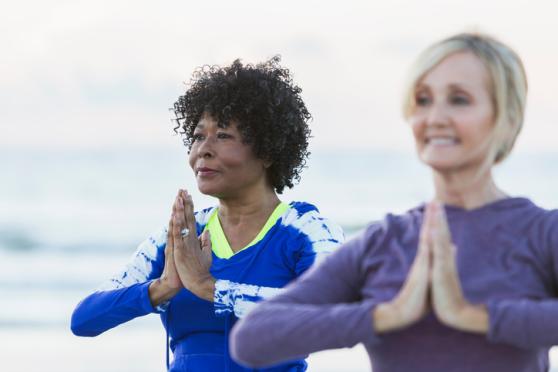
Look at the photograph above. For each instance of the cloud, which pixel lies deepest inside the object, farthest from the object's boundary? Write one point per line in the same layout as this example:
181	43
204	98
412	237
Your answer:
72	67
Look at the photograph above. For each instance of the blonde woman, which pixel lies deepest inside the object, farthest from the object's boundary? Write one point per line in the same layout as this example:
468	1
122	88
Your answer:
467	282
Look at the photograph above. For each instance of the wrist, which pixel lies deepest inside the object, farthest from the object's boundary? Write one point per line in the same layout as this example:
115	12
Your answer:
205	288
474	318
385	317
160	291
469	318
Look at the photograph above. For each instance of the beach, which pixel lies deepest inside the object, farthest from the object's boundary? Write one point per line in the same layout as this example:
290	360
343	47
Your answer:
76	218
133	348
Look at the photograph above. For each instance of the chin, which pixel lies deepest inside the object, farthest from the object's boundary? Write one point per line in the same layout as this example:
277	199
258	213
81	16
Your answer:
208	189
441	164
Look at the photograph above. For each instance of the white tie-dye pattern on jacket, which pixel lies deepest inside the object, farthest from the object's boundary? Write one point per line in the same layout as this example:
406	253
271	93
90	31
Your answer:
324	237
230	297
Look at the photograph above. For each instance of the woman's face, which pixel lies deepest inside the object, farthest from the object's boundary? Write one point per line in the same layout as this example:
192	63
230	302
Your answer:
224	166
453	118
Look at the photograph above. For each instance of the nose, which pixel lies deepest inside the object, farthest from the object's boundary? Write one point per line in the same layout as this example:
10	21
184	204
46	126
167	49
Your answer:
437	115
206	148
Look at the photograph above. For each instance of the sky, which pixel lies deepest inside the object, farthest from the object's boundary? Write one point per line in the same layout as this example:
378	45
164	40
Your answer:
95	74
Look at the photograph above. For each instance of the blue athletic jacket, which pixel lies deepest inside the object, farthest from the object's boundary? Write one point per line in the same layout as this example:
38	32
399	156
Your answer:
198	329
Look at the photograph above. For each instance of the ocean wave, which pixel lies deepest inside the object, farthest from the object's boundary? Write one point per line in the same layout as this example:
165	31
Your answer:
17	239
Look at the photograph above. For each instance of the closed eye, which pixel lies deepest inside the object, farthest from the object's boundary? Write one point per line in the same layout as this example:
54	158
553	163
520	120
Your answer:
223	135
460	100
422	100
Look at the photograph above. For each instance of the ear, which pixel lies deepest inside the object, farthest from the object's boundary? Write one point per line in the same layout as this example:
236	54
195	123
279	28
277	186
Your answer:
267	163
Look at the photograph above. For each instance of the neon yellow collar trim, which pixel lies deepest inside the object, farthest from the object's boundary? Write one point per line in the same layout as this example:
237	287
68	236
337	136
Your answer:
219	243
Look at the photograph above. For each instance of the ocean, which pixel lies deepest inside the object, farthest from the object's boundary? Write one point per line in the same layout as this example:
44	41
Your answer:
70	218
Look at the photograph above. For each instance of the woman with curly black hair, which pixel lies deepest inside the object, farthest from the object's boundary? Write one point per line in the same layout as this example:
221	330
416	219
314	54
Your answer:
246	130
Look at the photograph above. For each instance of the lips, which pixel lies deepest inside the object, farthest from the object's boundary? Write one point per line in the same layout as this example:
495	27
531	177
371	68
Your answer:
441	141
205	171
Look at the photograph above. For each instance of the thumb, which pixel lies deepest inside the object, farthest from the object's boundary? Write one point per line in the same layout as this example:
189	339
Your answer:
206	241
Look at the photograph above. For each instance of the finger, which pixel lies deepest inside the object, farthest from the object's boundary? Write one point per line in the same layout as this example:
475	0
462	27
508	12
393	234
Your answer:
206	248
170	237
435	228
424	251
169	246
184	209
178	224
185	200
205	240
189	244
189	217
169	256
425	231
437	233
177	203
179	215
442	245
421	264
442	229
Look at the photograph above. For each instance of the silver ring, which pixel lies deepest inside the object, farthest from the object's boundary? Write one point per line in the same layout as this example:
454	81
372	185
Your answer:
184	232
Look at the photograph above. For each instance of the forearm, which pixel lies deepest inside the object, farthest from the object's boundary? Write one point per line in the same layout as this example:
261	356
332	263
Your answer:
293	331
322	309
524	323
104	310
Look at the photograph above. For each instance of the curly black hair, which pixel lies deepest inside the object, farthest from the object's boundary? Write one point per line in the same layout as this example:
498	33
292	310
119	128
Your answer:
265	103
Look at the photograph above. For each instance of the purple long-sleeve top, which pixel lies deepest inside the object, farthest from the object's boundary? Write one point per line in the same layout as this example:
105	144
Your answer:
507	258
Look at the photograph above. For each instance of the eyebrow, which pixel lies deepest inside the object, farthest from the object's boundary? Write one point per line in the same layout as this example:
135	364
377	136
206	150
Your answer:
459	86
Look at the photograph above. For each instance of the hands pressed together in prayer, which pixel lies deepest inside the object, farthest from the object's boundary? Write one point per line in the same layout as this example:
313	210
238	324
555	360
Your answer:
187	257
432	284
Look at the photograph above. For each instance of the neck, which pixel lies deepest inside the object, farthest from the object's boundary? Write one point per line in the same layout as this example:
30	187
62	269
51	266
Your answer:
255	204
467	189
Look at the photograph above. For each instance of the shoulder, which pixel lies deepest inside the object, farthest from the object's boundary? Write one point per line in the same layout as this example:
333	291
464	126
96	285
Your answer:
544	223
304	219
524	216
542	215
541	229
526	224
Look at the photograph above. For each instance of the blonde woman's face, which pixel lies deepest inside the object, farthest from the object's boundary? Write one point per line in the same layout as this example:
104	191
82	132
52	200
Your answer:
453	115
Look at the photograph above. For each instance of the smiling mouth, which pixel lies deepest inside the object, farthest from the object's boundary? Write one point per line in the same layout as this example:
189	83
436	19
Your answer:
441	141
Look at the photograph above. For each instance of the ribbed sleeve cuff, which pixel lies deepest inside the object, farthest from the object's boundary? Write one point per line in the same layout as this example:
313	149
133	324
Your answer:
145	302
505	321
364	329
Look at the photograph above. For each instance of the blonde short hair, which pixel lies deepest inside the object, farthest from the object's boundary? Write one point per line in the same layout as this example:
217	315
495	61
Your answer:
508	86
